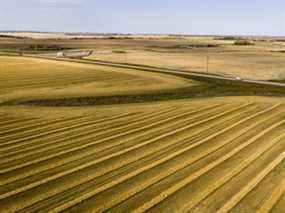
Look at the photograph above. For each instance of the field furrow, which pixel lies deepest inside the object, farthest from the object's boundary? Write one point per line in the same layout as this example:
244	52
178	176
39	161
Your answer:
251	184
274	196
57	142
11	84
109	179
47	136
16	139
9	128
220	130
12	122
64	127
209	152
158	161
69	145
18	132
263	196
225	169
127	150
280	205
78	135
242	187
70	136
89	156
149	179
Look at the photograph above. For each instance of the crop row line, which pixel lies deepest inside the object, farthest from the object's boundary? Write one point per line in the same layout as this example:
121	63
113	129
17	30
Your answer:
30	128
126	174
80	163
253	183
179	184
32	141
273	198
258	152
48	163
68	142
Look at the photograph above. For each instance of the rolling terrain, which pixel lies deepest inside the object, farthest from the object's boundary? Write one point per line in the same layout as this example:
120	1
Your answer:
27	77
219	154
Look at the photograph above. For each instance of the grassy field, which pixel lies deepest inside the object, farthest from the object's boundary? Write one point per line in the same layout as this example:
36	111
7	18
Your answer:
252	65
33	81
86	138
262	61
34	78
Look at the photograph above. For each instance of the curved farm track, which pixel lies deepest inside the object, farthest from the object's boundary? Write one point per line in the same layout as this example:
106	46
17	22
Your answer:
199	156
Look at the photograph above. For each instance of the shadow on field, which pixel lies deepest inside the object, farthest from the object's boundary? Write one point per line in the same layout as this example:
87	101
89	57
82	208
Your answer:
207	88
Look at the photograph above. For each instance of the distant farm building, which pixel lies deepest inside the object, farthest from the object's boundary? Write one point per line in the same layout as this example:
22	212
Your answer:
75	54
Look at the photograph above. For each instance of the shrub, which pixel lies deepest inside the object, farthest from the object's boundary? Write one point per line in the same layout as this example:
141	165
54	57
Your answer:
243	42
119	51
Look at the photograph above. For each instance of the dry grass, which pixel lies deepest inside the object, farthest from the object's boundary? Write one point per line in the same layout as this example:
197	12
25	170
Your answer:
252	64
26	77
262	61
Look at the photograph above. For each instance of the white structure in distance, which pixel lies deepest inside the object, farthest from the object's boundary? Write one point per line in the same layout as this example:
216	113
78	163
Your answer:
74	54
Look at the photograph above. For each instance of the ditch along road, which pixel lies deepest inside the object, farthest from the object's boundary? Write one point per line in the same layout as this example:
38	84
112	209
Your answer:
159	70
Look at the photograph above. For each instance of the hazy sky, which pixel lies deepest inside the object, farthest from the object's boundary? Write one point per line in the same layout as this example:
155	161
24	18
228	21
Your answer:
258	17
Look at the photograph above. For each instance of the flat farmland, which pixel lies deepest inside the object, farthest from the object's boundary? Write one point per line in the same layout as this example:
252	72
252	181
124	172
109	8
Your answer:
22	77
247	62
262	61
218	154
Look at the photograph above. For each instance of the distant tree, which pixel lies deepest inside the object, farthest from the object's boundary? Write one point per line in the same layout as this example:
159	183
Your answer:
243	42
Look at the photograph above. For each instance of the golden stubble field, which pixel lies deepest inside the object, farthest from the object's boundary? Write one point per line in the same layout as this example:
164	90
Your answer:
199	155
22	77
247	62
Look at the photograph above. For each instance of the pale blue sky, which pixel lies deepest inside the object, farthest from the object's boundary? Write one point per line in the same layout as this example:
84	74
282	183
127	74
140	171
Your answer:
250	17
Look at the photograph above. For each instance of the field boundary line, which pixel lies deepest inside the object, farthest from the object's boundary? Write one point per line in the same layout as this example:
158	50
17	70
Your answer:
167	71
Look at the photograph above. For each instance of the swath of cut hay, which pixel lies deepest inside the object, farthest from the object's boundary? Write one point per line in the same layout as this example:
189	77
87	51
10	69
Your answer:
216	154
147	164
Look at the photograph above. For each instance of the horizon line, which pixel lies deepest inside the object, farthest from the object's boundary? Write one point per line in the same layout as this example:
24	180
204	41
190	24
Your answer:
119	33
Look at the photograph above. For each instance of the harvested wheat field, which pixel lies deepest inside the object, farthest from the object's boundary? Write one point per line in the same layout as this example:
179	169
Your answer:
216	154
22	77
199	155
137	106
254	62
